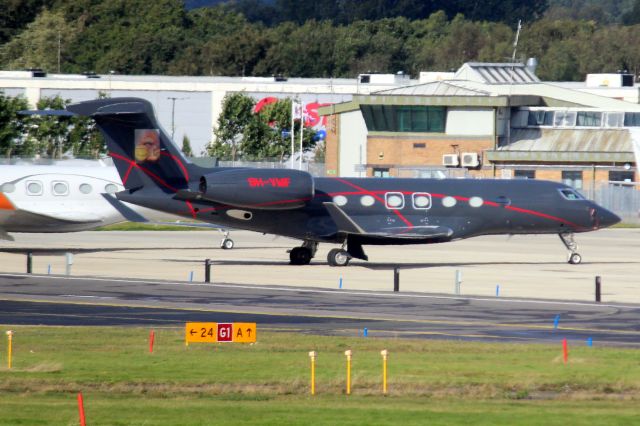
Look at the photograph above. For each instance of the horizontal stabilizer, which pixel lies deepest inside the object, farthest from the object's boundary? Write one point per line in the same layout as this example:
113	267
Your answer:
126	212
49	112
343	221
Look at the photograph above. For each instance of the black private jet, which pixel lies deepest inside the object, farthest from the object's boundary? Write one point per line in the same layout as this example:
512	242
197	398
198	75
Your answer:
352	212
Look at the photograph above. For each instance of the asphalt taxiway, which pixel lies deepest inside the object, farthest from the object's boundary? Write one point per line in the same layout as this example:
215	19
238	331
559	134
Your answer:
50	300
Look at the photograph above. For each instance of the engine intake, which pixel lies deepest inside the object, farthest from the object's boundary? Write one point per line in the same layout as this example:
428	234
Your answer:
267	189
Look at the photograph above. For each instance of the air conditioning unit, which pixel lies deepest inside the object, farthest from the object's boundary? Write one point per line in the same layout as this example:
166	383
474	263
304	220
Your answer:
470	159
450	160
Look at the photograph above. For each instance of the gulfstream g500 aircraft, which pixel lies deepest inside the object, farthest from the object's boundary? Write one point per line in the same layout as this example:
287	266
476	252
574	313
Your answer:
345	211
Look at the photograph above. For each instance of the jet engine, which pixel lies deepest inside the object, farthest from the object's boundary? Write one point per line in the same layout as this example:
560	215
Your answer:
268	189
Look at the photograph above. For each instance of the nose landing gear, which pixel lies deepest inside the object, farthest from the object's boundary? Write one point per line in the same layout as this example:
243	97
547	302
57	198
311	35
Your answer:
570	244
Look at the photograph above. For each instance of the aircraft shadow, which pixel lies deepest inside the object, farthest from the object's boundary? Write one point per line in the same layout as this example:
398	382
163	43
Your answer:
390	266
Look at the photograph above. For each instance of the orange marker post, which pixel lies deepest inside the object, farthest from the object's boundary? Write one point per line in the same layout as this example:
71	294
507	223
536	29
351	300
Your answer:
348	353
83	421
152	338
565	351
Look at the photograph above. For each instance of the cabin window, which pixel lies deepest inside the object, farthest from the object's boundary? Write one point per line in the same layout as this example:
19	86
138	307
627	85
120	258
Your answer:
34	187
476	202
394	200
60	188
449	201
7	187
570	194
367	200
110	188
572	178
421	200
340	200
85	188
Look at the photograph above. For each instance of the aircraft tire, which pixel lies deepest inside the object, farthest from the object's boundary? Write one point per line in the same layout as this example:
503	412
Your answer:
227	244
338	257
300	256
575	258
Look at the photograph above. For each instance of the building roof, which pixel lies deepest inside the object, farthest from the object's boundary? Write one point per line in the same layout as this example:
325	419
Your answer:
496	73
435	88
566	145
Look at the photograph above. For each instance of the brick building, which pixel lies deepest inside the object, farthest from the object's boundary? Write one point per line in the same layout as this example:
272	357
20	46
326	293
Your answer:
487	120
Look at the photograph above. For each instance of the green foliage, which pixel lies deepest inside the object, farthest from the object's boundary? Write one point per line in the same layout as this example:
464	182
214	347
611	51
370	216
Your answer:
186	146
12	126
323	38
46	136
243	134
16	14
37	46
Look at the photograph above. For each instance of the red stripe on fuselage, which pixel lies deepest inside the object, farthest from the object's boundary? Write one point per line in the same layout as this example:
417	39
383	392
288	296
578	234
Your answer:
373	194
457	197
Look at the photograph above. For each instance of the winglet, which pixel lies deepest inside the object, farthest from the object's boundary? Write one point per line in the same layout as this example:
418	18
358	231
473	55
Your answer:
342	220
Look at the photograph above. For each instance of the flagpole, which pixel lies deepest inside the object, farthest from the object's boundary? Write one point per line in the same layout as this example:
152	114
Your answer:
293	139
301	133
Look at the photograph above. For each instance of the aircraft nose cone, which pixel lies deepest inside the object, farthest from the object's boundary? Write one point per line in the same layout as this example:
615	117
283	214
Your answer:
607	218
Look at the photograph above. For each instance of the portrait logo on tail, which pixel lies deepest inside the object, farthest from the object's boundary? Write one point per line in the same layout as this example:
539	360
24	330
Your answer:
147	145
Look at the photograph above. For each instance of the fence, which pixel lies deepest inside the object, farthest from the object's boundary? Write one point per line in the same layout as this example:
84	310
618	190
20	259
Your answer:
621	198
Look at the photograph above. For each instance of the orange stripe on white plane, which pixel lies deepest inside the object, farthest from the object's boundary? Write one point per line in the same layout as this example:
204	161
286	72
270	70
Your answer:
5	204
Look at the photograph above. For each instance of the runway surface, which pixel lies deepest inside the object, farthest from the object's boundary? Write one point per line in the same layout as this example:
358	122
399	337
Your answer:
51	300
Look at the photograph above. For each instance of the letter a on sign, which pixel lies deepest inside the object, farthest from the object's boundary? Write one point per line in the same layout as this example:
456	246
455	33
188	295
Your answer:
244	332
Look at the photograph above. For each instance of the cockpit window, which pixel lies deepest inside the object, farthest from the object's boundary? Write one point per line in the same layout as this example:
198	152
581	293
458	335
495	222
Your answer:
571	194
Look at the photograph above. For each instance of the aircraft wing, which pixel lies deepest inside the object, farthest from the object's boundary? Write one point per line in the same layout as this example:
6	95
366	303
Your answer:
17	219
347	225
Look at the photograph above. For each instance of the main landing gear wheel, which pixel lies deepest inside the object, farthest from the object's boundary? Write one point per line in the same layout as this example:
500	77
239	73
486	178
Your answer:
338	257
575	258
227	244
300	256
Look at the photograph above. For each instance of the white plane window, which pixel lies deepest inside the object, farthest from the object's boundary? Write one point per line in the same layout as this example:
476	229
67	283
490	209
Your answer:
60	188
476	202
340	200
421	200
34	187
85	188
367	200
110	188
449	201
394	200
7	187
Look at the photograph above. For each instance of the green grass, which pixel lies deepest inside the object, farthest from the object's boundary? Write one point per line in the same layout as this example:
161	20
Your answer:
435	382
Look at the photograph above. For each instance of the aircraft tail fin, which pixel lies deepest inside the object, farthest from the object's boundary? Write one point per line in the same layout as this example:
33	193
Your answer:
142	152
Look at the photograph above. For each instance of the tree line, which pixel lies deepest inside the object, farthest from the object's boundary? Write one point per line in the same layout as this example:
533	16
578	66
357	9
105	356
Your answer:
164	37
39	136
